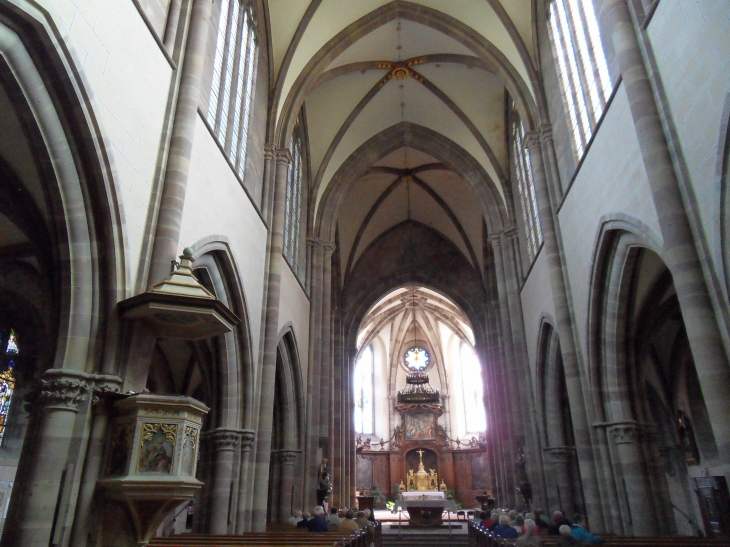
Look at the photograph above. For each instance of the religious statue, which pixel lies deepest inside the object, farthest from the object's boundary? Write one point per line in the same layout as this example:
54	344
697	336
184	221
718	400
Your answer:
325	482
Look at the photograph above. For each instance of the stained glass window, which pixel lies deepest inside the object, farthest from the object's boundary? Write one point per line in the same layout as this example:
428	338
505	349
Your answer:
416	358
234	70
582	67
363	387
7	381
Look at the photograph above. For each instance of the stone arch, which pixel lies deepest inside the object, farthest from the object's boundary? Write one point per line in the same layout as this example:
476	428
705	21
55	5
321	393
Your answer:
619	237
721	248
454	157
430	17
213	253
51	98
286	477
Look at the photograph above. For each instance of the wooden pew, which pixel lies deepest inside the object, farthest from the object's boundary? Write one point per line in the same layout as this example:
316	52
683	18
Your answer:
277	537
481	537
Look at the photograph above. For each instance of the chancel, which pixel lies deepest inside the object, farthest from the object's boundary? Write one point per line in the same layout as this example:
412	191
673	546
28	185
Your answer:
266	258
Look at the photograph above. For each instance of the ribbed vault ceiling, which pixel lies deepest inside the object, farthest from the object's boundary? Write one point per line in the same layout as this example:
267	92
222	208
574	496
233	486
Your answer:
359	67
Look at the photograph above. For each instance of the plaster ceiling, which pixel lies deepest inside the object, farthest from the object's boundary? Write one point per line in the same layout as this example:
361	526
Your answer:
454	84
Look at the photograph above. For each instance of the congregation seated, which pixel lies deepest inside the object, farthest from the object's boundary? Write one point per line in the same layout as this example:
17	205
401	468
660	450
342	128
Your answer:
537	526
529	538
558	521
348	524
519	524
305	520
295	517
362	520
542	524
504	529
318	523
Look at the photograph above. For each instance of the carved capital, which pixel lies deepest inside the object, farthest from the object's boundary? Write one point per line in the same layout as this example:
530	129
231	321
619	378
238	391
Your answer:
269	151
247	438
314	242
495	240
511	232
283	157
288	457
625	432
223	439
546	132
328	248
532	140
57	394
559	454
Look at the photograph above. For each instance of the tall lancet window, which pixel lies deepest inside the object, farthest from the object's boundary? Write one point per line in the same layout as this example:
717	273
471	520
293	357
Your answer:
363	387
10	353
525	186
473	390
234	77
582	67
293	210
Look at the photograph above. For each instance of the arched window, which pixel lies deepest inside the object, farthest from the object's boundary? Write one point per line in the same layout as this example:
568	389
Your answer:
473	390
582	67
525	186
292	221
363	386
234	70
10	353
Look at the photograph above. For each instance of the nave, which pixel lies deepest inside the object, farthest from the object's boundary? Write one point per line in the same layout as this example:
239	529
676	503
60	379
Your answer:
263	256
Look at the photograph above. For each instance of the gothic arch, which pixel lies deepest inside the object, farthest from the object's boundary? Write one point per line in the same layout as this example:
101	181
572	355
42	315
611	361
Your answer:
214	254
50	97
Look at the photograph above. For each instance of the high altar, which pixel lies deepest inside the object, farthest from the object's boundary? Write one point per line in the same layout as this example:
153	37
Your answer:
420	462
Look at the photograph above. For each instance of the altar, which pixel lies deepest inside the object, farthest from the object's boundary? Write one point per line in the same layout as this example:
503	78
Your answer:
410	496
426	512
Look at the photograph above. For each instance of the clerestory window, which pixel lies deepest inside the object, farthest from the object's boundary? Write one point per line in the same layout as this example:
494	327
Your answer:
525	186
293	211
234	75
473	390
582	67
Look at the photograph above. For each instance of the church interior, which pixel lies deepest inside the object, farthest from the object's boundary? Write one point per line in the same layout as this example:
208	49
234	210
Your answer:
258	256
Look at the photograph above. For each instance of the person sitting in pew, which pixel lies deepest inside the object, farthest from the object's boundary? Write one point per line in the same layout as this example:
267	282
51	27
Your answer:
566	537
318	524
348	525
558	520
529	538
334	520
295	517
581	534
504	529
304	523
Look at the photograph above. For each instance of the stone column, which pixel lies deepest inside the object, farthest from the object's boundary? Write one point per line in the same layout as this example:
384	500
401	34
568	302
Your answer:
680	252
224	442
511	415
56	404
326	429
568	348
512	266
494	435
243	518
287	459
171	27
271	334
627	437
172	202
313	373
560	458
